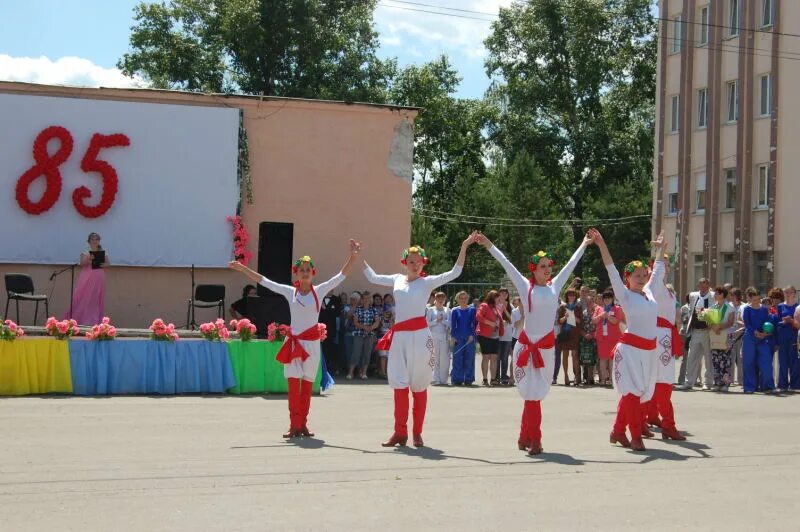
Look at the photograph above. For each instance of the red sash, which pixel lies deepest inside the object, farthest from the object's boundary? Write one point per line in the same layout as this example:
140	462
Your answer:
548	341
637	341
292	348
677	341
413	324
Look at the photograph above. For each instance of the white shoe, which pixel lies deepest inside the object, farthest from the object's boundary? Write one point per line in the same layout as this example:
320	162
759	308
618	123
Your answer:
683	387
706	388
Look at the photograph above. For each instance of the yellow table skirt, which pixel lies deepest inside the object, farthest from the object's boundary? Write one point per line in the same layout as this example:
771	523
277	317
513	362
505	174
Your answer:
34	366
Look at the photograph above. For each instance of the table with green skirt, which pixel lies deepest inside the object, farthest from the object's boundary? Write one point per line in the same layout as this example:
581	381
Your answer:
256	369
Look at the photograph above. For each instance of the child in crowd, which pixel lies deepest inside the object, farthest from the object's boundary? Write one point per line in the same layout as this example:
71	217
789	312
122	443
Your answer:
463	322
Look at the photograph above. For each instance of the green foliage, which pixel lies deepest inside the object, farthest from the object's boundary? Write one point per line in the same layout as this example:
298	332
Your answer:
321	49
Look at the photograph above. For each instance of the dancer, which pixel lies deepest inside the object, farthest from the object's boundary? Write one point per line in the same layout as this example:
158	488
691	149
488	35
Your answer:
301	350
409	341
534	353
634	371
669	345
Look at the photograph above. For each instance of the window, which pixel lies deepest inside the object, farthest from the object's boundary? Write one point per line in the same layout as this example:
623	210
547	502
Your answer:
760	263
700	193
672	195
766	95
702	108
698	267
726	261
677	35
733	18
762	192
674	114
766	13
730	188
733	101
704	18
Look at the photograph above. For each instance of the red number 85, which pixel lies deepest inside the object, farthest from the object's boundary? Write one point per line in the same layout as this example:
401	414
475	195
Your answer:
49	167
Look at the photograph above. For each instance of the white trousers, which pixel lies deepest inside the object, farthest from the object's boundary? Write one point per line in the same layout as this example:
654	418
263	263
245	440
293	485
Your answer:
411	360
634	371
441	350
307	370
664	360
533	384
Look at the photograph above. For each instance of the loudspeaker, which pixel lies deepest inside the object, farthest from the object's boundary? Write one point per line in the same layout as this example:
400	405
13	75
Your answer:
275	241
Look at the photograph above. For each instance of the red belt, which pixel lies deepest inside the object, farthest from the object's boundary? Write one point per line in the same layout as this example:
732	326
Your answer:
548	341
413	324
637	341
292	348
677	341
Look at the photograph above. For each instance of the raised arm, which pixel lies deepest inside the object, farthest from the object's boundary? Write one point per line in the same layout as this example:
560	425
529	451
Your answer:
616	281
337	279
282	289
656	281
561	279
433	281
374	278
519	280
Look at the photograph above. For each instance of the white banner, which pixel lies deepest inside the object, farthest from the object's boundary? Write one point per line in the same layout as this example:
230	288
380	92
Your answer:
175	169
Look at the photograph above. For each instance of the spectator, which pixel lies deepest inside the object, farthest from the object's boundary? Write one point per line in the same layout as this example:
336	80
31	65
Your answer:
735	296
387	321
699	343
518	322
720	337
349	326
756	348
504	344
607	319
438	317
686	313
588	345
366	320
463	323
239	308
476	303
788	359
330	310
490	328
570	317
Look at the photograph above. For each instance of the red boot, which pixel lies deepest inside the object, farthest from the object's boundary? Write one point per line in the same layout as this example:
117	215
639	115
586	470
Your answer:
637	444
534	409
523	442
420	406
672	434
293	394
645	411
618	432
634	411
619	438
652	411
400	435
305	406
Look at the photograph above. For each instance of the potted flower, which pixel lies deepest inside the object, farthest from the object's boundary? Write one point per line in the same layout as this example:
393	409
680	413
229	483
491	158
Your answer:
215	331
277	332
161	331
10	331
244	328
61	329
102	331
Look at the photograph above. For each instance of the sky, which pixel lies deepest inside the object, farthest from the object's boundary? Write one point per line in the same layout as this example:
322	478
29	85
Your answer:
78	42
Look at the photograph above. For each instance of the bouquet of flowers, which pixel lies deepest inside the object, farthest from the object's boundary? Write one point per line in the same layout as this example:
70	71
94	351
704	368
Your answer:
215	331
162	331
712	316
62	329
102	331
323	331
10	331
277	332
244	329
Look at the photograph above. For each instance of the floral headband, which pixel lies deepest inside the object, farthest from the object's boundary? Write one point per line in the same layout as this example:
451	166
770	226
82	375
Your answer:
299	262
534	261
415	249
633	266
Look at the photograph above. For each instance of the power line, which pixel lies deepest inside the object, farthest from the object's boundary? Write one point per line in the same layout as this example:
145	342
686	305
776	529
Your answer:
553	224
434	12
523	220
445	8
733	49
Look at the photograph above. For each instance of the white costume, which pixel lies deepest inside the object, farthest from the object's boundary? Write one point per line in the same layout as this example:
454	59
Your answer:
304	311
439	325
534	383
411	355
635	370
664	360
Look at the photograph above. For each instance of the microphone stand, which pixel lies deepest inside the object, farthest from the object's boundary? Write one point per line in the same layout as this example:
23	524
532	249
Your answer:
192	325
56	273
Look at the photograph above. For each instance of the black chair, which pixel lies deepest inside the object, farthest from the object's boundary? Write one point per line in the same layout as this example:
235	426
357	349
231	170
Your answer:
206	296
19	287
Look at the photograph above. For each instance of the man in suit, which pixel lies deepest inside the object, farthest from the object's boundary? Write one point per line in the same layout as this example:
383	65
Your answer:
700	343
330	311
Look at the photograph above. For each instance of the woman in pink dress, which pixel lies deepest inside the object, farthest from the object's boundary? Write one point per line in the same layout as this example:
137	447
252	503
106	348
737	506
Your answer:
606	319
89	299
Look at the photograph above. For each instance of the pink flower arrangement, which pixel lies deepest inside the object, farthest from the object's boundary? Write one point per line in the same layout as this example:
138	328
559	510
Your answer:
244	328
10	331
102	331
240	239
323	331
163	331
277	332
215	331
62	329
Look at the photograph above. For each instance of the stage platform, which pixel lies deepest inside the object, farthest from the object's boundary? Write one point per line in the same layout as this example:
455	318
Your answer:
136	365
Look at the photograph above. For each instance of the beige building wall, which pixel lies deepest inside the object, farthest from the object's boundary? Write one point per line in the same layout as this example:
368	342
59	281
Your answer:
323	166
742	240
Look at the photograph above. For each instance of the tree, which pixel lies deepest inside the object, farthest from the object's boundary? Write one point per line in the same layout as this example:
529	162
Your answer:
324	49
579	89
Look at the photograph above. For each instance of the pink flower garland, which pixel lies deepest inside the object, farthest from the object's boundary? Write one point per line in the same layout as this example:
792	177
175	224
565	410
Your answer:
244	328
162	331
10	331
61	329
240	239
102	331
215	331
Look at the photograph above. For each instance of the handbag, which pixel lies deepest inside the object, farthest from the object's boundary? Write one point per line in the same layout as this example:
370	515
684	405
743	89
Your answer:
588	354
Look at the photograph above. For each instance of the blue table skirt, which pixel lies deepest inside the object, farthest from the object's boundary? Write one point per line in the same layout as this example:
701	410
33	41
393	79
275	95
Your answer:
149	366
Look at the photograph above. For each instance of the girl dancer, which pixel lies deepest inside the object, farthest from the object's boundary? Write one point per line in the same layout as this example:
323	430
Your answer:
634	370
301	350
409	342
534	353
669	345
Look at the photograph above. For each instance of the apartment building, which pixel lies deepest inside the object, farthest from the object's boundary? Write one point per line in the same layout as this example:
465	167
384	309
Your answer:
727	130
